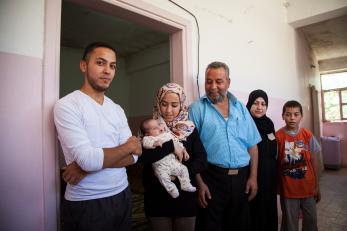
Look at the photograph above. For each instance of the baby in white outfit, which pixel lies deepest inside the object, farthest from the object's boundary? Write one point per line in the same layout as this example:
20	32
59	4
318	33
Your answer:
154	136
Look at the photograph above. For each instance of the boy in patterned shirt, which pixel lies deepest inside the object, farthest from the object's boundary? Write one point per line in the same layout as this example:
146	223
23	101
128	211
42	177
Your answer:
298	170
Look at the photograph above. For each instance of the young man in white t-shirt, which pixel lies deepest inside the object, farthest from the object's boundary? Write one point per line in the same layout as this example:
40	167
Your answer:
97	145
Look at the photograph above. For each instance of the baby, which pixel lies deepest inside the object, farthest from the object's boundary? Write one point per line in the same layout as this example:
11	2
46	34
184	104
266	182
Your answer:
154	136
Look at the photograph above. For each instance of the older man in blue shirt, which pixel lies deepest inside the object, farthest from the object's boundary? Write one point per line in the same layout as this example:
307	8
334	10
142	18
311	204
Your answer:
230	138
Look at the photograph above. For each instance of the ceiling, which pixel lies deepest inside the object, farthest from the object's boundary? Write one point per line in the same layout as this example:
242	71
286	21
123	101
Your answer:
328	41
81	26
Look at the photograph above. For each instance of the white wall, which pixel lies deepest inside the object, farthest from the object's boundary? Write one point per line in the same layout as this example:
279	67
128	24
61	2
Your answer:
22	190
21	27
301	13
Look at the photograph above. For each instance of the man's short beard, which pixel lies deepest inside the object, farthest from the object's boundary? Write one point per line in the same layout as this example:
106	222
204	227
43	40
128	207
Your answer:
96	87
219	99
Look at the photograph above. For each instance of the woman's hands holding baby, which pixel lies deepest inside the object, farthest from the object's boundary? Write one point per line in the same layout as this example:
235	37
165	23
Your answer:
180	151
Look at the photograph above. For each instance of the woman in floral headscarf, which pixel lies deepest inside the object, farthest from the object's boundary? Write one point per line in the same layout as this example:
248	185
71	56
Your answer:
163	211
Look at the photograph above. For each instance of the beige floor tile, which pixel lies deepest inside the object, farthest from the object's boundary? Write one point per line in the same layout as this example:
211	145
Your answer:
332	210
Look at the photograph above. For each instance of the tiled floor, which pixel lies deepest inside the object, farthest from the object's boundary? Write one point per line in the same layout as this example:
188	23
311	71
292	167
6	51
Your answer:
332	209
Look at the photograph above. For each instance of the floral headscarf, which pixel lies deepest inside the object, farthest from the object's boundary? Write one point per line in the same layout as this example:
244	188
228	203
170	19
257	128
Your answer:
180	127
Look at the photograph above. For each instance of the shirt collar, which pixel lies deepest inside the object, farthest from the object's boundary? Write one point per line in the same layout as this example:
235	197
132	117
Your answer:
291	133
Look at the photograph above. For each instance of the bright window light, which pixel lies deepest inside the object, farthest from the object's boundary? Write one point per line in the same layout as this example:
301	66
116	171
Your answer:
332	81
334	90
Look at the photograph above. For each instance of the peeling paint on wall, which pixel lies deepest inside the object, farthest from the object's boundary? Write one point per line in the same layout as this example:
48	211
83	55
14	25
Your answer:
248	9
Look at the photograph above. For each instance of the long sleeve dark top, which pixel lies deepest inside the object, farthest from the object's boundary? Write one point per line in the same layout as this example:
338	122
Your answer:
264	205
158	202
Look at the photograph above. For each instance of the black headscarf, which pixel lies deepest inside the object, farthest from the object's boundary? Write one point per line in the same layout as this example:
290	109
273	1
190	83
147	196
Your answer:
264	124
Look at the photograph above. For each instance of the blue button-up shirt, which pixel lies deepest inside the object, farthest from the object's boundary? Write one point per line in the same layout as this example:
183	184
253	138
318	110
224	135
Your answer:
226	140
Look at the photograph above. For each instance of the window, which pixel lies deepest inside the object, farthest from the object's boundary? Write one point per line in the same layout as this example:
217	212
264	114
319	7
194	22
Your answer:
334	88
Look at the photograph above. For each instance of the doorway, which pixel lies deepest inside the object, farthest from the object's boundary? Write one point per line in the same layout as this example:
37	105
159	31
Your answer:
143	66
143	57
176	29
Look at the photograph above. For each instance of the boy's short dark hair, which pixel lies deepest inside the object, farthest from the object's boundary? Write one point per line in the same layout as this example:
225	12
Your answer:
291	104
143	123
92	46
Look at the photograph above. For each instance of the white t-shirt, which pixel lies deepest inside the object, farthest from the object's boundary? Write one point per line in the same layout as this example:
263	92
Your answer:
84	128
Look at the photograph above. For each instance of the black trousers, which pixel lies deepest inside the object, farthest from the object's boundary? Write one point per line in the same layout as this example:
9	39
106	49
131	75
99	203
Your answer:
228	208
105	214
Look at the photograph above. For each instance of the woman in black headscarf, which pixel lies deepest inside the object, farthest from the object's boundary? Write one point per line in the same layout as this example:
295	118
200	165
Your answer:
264	205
